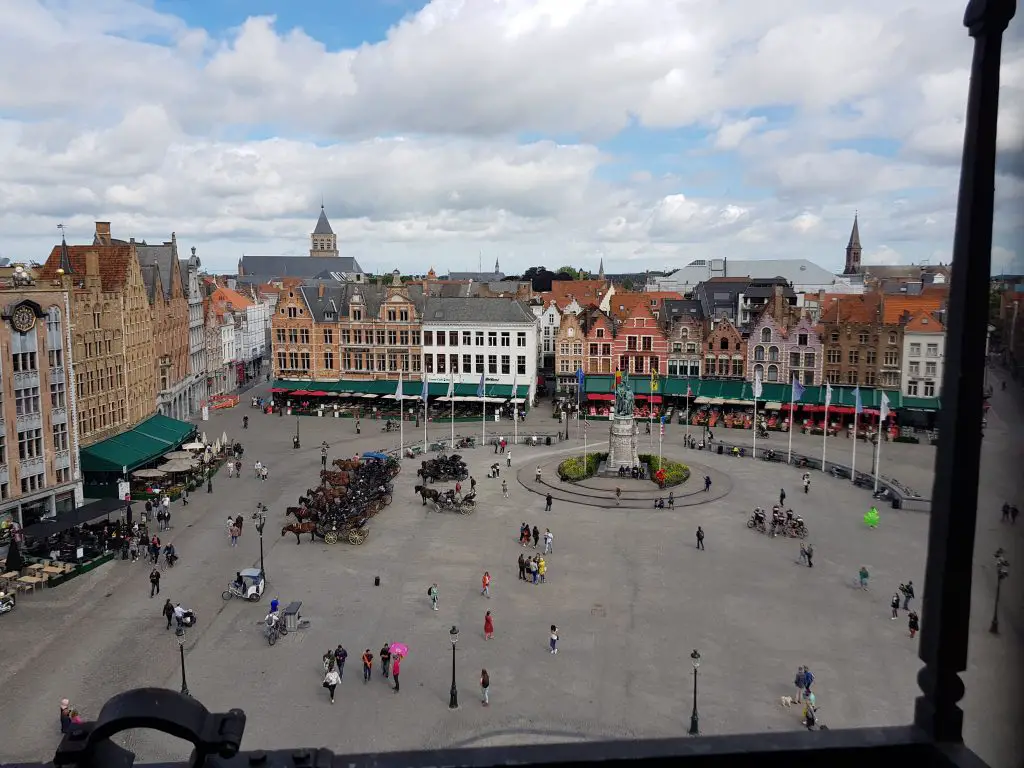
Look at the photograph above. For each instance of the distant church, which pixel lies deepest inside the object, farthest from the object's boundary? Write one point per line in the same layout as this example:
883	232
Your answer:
892	277
323	261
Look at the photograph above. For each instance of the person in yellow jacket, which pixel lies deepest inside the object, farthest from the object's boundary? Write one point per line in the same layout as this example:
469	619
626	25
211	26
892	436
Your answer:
542	568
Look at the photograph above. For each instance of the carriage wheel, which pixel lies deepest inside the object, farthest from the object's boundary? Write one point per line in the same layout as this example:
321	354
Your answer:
331	537
386	499
356	537
469	509
438	507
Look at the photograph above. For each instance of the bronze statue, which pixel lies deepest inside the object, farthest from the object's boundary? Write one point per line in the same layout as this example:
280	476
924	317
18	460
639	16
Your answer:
623	400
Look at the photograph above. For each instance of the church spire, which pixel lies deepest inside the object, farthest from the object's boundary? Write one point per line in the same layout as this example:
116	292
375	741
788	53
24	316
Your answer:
65	257
853	249
497	269
600	270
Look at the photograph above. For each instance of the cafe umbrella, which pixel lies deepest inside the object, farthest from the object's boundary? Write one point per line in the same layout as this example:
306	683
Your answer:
149	474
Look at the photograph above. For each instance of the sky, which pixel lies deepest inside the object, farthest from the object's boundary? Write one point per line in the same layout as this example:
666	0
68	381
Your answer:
451	134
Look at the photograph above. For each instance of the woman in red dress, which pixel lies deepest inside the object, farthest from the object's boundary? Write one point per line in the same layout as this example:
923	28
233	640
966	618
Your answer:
488	626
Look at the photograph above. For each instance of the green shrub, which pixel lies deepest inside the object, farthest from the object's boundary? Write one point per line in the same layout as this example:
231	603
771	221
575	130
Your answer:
575	468
675	473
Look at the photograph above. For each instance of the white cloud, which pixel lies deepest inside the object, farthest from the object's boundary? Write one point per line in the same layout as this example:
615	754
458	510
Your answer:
116	111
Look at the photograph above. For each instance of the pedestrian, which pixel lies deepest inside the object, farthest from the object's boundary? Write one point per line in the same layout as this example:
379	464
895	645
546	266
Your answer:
331	680
472	484
803	554
486	583
864	577
458	488
807	483
367	665
913	623
908	594
700	537
340	657
231	469
522	567
808	682
537	474
184	497
238	524
504	489
707	483
488	626
65	715
168	612
542	569
618	495
536	536
154	583
810	555
209	484
497	444
895	605
485	687
548	539
432	594
534	569
553	640
133	548
800	681
395	669
782	497
385	659
235	533
508	458
671	500
1006	513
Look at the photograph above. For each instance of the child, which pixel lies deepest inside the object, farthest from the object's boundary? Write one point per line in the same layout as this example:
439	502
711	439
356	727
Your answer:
553	640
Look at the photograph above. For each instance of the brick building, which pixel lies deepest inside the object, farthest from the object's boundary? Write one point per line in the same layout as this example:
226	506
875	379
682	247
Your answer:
570	352
725	354
683	321
640	344
600	330
859	348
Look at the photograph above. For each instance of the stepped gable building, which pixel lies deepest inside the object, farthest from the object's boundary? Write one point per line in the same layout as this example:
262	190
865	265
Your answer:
640	346
859	347
600	328
683	321
197	384
323	259
169	304
725	352
112	338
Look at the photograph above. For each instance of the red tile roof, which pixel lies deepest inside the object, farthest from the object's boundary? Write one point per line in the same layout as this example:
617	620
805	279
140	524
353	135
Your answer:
852	309
896	306
923	322
113	260
583	291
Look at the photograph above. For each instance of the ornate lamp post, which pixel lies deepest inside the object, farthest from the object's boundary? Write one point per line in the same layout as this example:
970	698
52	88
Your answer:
181	650
260	516
694	717
296	441
1002	572
453	700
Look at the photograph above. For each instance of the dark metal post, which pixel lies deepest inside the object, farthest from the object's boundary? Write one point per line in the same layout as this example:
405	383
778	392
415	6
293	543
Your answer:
946	606
260	517
1002	571
694	717
184	685
453	699
296	430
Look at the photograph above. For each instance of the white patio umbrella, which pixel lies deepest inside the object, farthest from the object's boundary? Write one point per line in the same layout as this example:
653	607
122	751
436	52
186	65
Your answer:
216	446
177	466
205	441
196	446
148	473
178	455
223	438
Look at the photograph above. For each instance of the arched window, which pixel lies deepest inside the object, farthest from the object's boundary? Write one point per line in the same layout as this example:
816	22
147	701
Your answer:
766	334
759	370
773	373
759	353
773	354
724	344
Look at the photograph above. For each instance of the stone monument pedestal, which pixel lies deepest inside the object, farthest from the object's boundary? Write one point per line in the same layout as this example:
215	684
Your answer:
621	445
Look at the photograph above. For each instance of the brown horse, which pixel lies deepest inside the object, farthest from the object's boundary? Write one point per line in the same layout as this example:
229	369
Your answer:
335	478
301	514
345	465
427	493
300	528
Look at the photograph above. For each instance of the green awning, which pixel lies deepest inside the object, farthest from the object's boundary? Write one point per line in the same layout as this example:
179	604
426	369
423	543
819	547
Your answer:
920	403
140	445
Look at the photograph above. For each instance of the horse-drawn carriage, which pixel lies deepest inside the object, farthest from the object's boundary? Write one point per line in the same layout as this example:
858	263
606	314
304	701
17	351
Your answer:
449	501
443	468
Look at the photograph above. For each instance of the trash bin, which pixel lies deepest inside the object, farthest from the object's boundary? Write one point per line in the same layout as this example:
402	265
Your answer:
896	503
548	440
721	450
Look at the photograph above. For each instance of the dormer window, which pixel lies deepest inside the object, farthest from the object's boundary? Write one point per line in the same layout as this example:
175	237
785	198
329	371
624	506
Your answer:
357	313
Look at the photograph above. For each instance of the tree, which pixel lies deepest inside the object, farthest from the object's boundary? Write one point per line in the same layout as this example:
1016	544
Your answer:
628	284
573	273
533	272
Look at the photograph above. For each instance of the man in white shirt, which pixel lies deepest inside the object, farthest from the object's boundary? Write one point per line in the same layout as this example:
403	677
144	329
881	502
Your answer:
549	537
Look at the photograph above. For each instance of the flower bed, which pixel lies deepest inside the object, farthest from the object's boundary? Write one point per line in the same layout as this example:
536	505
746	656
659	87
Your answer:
675	473
575	468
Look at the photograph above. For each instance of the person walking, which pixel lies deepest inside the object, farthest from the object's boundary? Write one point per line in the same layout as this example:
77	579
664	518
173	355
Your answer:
331	680
486	584
488	626
913	623
472	484
508	458
908	594
807	482
547	503
367	665
782	497
707	483
700	537
65	715
385	659
549	537
534	569
800	681
810	555
537	474
340	657
154	583
504	489
536	536
432	594
168	612
895	605
808	682
542	569
553	640
522	567
618	495
864	575
395	669
485	687
671	500
235	533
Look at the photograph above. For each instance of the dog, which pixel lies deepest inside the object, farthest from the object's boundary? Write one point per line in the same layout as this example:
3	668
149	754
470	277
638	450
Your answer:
786	701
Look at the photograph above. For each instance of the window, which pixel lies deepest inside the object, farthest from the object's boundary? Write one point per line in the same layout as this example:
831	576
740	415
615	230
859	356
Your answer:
773	373
631	343
520	365
862	338
293	312
304	336
872	357
403	338
915	350
328	335
600	333
282	363
442	365
329	361
930	369
737	368
467	338
392	338
440	338
723	344
506	339
766	335
416	338
834	337
593	350
912	388
563	366
506	365
391	315
428	363
891	358
677	346
869	379
492	363
30	444
933	350
304	360
478	338
24	361
647	343
759	353
467	363
293	335
33	482
26	401
293	360
279	335
357	313
854	357
453	363
684	333
892	338
577	348
606	349
801	340
915	368
834	356
96	316
479	363
346	337
929	389
773	354
832	376
653	363
674	368
403	315
57	395
809	378
492	338
428	338
851	377
346	360
453	338
56	357
521	339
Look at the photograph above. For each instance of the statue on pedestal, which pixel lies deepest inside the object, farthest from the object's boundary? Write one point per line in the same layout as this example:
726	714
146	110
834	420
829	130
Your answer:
623	400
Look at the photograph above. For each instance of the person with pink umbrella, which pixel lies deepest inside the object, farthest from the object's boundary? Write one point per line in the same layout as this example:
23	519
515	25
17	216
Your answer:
398	652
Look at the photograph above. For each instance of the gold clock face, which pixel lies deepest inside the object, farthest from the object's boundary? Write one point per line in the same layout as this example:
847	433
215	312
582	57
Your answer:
23	319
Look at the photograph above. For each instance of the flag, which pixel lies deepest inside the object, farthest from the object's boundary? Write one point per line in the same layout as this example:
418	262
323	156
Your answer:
512	397
883	408
398	389
858	406
451	387
654	380
618	376
579	378
798	389
423	394
480	387
828	394
758	389
689	391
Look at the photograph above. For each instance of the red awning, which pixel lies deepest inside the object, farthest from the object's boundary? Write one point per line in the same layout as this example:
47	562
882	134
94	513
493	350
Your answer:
841	409
300	392
318	394
600	396
277	390
652	398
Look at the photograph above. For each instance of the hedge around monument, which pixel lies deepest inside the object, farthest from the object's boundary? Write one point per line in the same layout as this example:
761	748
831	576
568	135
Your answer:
675	473
575	469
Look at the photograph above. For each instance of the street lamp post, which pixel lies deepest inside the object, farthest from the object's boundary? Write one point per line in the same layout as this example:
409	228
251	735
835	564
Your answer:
184	685
1002	572
296	431
260	516
694	717
453	700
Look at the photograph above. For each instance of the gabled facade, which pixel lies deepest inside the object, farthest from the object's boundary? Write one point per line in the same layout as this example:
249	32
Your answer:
570	349
549	324
859	348
924	353
197	386
640	345
802	353
161	272
600	335
685	338
725	351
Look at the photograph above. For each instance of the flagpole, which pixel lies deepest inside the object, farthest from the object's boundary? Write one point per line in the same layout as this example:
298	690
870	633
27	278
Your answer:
853	460
426	412
883	406
515	415
483	415
753	451
824	442
687	412
792	422
661	438
451	401
401	416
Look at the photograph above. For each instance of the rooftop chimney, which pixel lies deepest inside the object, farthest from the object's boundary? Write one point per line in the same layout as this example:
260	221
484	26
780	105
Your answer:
102	233
92	264
320	291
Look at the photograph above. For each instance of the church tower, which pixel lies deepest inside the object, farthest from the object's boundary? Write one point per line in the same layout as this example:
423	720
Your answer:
853	250
323	242
600	270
